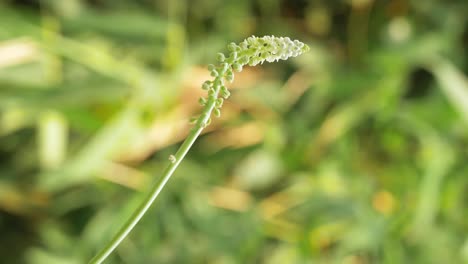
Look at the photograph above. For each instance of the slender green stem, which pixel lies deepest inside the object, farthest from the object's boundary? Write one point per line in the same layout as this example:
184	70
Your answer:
157	187
251	51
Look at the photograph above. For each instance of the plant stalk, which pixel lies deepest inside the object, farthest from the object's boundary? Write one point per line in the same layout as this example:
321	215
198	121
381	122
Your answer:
252	51
157	187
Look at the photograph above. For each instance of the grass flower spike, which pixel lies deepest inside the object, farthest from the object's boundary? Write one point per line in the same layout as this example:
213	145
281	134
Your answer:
251	52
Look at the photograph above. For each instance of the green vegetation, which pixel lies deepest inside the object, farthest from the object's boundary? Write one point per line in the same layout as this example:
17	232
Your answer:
354	152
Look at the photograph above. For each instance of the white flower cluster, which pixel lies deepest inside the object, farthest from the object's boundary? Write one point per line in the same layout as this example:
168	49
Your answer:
255	50
252	51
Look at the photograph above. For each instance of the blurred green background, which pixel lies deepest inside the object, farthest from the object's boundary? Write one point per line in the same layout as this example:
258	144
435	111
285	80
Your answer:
355	153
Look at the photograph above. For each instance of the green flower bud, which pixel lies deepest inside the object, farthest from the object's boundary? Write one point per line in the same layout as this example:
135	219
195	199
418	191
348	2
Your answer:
232	46
220	57
211	93
208	122
206	85
219	102
217	112
193	119
229	76
225	92
237	67
202	101
233	56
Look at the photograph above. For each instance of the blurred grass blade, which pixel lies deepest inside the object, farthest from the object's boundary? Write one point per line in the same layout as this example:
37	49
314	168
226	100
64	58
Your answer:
453	83
52	139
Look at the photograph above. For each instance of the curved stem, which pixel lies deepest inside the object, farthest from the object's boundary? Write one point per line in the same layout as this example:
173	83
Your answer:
157	187
251	51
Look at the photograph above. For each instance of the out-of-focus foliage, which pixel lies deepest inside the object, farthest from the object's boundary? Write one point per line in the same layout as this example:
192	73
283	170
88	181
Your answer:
355	153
